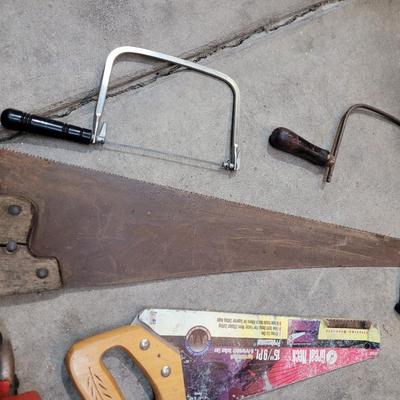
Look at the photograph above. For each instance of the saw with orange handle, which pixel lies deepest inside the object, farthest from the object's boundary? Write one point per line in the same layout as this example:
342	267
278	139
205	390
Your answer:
201	355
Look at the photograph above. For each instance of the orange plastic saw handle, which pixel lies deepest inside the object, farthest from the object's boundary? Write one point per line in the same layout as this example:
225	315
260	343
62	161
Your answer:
159	361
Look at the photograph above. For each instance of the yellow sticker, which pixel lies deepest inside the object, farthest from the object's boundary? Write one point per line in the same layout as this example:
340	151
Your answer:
326	333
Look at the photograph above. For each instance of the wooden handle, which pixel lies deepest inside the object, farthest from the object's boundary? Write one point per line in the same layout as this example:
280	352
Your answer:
20	121
151	353
286	140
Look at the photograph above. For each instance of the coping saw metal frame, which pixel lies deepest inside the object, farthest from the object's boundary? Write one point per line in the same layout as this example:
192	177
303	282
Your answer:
100	128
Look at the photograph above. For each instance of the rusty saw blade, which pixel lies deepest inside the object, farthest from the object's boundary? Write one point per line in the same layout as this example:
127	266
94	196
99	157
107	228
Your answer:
106	230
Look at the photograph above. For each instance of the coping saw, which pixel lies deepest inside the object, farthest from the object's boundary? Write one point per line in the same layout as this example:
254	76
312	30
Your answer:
98	229
20	121
200	355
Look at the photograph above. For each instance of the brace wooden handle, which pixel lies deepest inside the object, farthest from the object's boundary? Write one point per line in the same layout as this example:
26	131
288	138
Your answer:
94	381
20	121
286	140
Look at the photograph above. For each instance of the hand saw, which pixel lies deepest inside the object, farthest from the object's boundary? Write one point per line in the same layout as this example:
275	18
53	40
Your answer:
200	355
102	230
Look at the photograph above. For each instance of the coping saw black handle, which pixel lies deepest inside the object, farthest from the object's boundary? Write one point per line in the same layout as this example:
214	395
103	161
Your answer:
397	307
20	121
286	140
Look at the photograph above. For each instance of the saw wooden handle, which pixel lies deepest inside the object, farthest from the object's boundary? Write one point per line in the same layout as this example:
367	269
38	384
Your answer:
20	121
159	361
286	140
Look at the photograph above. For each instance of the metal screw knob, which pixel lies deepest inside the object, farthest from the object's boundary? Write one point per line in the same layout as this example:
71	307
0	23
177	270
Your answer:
165	371
144	344
11	246
42	273
14	210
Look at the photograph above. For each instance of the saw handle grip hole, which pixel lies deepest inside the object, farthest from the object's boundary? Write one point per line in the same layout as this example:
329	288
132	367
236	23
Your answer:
128	376
87	363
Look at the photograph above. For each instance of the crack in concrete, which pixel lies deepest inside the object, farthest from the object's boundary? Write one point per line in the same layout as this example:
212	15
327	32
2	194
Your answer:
145	78
272	26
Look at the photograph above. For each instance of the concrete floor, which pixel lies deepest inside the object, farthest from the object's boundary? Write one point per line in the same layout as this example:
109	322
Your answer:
295	68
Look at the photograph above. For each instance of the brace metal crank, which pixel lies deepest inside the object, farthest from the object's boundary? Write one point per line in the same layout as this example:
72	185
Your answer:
292	143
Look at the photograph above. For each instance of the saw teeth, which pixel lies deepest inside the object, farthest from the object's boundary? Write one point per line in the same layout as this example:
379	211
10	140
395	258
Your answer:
7	148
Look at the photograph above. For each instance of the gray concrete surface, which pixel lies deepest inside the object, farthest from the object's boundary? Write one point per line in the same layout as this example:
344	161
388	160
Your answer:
53	51
173	131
